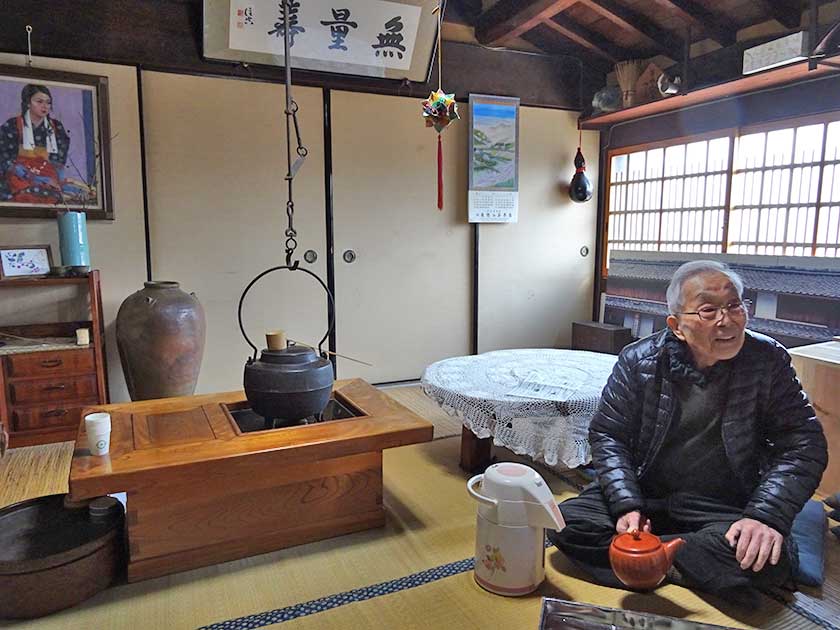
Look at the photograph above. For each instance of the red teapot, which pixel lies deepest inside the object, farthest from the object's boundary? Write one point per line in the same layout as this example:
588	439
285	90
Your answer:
641	560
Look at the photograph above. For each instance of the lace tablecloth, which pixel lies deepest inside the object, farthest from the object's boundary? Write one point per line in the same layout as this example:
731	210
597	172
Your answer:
536	402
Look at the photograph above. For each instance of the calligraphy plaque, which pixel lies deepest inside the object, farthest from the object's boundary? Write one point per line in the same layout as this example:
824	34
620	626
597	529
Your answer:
392	39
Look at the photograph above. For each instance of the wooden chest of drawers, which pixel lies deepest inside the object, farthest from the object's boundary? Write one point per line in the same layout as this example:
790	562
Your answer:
43	388
44	393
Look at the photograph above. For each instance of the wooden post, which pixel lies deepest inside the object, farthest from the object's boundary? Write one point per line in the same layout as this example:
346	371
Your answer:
97	325
475	451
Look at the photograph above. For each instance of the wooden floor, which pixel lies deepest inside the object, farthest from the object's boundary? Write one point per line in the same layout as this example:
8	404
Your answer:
41	470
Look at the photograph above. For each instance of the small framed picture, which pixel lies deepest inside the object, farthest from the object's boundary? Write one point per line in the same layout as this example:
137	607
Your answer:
24	261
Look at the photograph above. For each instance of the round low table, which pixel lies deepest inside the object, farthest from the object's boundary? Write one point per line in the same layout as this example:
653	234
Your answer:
536	402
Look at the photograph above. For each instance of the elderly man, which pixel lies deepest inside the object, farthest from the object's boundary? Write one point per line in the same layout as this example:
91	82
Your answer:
703	432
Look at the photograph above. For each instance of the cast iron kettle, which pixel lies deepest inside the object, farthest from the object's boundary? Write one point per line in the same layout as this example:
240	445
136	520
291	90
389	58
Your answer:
285	386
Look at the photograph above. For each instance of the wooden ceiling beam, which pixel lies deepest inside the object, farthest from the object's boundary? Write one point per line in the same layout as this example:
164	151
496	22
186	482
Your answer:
664	41
508	19
585	38
700	19
548	40
464	12
787	12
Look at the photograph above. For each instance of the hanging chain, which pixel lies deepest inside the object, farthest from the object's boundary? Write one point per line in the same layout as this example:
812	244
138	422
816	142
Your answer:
291	119
29	44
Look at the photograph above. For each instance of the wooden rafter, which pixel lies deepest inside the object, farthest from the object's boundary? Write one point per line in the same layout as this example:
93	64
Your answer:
663	41
786	12
508	19
585	38
700	19
462	11
543	37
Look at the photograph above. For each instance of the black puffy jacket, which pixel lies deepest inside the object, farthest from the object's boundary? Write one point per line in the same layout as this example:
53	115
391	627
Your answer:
773	440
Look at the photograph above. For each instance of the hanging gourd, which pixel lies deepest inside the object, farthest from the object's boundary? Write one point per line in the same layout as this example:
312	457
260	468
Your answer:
580	189
440	110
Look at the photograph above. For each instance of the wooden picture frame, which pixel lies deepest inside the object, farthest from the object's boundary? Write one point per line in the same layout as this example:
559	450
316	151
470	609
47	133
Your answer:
393	39
54	143
25	261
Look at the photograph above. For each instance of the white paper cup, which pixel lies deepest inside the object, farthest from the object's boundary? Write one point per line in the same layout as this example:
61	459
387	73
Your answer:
98	430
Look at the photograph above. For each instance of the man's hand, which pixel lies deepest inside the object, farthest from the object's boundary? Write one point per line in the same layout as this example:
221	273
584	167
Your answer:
632	520
756	543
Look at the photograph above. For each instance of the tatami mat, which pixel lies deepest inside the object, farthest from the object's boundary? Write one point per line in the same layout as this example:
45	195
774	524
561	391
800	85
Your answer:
429	533
412	396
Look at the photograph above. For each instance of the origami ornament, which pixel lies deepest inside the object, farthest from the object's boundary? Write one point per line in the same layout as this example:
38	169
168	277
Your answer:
439	110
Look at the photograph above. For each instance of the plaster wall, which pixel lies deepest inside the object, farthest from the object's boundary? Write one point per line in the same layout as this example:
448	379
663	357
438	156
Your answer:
534	282
215	164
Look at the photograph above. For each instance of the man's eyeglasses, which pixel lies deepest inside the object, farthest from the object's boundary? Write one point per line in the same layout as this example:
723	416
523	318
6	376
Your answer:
738	308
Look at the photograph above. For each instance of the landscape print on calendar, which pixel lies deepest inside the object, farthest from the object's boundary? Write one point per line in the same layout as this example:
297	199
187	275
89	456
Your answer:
494	145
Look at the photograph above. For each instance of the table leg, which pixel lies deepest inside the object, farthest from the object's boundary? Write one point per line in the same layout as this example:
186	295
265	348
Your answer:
475	451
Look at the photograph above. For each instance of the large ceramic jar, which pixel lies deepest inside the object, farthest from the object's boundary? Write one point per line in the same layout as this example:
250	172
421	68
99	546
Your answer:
160	335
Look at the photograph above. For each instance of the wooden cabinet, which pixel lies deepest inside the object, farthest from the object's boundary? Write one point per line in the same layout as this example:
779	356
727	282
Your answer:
43	389
818	367
598	337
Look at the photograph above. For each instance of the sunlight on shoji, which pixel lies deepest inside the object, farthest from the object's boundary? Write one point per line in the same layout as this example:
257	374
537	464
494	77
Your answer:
719	154
804	184
619	169
779	147
831	184
637	165
749	152
675	160
809	141
776	186
828	231
695	157
832	143
654	163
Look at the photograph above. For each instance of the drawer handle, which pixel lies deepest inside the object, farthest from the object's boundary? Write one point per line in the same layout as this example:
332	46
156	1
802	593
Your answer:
51	363
54	388
54	413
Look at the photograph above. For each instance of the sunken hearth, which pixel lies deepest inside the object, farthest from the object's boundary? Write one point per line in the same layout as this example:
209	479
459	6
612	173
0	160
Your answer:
249	421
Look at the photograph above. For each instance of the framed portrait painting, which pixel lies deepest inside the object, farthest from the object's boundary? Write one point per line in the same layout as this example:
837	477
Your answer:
390	39
54	143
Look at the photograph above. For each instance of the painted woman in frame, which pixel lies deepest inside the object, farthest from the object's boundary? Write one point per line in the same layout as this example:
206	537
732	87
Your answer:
33	153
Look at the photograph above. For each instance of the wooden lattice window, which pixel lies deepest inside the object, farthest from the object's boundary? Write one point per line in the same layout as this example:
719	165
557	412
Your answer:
785	195
670	198
772	191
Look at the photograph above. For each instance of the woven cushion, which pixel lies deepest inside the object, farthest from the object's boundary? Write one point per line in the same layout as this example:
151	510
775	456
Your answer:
808	531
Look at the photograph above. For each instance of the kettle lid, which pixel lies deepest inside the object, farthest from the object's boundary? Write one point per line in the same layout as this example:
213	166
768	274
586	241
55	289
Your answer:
292	355
637	542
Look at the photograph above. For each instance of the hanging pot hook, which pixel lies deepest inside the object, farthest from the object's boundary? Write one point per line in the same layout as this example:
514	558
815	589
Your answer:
293	267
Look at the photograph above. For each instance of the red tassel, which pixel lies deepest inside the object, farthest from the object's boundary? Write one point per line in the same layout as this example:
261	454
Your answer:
440	174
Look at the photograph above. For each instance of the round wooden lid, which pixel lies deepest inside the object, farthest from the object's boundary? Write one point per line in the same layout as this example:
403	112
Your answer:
41	533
